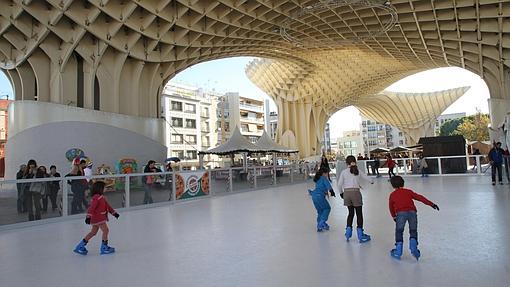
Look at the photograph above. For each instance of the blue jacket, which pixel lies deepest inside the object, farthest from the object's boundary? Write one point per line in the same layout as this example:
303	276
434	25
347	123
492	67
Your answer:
496	155
322	186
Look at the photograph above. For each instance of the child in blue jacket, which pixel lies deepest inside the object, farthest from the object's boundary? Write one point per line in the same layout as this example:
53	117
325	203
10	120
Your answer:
322	187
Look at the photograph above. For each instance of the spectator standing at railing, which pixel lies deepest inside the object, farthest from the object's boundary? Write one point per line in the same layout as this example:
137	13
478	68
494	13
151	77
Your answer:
78	187
148	181
496	161
53	188
29	173
477	152
375	166
423	166
36	191
21	205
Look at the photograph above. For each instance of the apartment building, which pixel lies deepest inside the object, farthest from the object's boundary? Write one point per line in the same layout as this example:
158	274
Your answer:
190	114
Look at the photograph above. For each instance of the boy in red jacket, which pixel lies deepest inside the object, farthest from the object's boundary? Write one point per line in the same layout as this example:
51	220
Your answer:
402	209
97	215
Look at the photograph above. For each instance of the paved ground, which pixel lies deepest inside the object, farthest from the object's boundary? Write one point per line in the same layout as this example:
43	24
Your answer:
267	238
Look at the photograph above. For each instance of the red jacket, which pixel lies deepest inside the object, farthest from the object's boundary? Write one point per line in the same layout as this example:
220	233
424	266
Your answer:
390	163
401	199
98	209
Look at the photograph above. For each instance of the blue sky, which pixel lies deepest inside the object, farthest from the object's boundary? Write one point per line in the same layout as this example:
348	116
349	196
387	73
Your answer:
5	86
227	75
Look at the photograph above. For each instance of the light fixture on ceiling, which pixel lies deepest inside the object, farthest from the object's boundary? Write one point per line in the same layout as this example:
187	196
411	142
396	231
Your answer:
323	39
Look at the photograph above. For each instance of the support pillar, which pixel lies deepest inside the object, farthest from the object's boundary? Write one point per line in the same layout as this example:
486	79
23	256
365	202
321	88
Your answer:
498	109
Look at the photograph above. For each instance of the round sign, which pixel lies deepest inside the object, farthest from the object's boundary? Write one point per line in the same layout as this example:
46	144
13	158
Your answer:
192	184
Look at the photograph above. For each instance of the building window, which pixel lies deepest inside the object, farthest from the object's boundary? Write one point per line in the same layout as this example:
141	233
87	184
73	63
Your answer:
191	154
190	108
253	139
176	106
177	122
401	142
205	141
400	134
205	112
176	139
178	153
191	124
192	139
205	127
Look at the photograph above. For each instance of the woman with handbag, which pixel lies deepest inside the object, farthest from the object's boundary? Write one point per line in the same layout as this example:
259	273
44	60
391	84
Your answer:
35	194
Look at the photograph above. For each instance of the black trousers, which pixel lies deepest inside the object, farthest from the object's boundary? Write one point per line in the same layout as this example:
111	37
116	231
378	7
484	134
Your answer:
496	167
33	201
359	216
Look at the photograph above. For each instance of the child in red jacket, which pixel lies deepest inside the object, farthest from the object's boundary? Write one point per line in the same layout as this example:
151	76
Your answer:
97	215
390	163
402	209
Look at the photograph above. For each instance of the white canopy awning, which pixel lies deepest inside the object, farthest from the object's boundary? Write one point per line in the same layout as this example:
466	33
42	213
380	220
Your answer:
268	145
237	143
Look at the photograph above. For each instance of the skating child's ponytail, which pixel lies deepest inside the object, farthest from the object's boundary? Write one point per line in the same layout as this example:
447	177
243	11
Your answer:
351	162
98	188
319	173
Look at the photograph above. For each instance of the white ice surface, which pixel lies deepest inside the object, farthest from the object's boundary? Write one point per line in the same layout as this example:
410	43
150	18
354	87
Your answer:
268	238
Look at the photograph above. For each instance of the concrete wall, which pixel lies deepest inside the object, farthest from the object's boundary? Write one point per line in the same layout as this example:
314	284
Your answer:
104	143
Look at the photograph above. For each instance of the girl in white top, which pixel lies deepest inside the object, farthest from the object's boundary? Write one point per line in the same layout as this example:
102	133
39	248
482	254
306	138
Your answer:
349	188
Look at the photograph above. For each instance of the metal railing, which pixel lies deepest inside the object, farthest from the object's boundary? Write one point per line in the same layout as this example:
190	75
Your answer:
19	206
436	166
130	191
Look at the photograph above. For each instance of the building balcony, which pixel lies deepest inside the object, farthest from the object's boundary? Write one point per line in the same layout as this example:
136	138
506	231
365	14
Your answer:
252	120
253	108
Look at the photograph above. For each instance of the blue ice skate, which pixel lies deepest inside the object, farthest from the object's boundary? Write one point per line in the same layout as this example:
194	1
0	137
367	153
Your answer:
413	245
80	248
348	233
362	237
397	252
105	249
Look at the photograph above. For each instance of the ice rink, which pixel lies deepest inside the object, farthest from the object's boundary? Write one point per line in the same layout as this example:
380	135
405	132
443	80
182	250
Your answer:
268	238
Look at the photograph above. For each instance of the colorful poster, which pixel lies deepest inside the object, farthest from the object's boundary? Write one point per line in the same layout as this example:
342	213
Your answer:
192	184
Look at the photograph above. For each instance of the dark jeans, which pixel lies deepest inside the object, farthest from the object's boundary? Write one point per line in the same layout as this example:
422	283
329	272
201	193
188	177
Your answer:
21	202
33	200
52	195
400	224
390	171
78	200
147	195
496	167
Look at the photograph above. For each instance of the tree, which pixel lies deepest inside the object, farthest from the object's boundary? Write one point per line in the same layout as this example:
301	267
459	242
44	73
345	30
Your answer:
475	127
449	127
